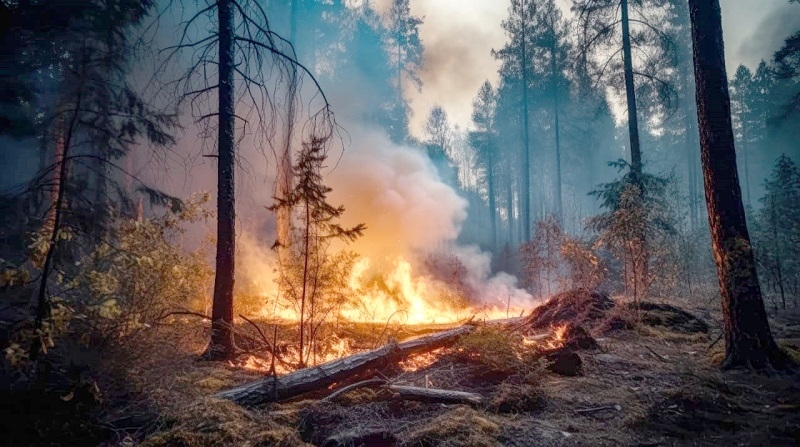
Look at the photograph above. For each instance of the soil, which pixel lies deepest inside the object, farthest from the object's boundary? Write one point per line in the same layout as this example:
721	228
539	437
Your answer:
656	384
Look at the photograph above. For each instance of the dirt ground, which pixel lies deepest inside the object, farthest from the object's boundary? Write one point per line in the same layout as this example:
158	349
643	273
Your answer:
654	385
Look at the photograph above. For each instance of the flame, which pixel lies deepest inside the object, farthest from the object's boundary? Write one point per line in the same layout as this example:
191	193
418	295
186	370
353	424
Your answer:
398	296
421	361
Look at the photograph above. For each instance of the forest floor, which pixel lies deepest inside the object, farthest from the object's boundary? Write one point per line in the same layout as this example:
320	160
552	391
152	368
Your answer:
655	385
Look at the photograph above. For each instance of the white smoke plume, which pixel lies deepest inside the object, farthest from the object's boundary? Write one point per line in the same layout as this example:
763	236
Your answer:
396	191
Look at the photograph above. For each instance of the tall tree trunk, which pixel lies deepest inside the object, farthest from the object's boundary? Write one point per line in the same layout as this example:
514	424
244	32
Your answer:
748	340
63	142
630	94
222	346
690	143
556	106
526	156
510	204
284	180
743	119
490	186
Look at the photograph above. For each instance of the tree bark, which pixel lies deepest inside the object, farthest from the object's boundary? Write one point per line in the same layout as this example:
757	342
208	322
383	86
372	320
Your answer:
630	94
748	340
221	346
491	190
273	389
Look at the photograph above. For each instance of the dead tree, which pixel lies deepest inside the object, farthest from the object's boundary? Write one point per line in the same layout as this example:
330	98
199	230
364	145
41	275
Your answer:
272	389
252	63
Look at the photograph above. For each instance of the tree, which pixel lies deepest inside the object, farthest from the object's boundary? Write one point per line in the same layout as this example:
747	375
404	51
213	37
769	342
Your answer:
310	275
748	340
778	229
551	50
635	207
406	58
742	92
618	30
250	59
516	71
787	60
437	134
483	139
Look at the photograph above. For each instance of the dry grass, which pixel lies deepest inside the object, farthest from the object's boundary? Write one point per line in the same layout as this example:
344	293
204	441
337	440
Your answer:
649	386
461	426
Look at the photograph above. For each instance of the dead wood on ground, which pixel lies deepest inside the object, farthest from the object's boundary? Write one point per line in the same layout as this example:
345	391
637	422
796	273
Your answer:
272	389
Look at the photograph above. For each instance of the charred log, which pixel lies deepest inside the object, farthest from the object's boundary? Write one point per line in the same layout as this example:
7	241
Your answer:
273	389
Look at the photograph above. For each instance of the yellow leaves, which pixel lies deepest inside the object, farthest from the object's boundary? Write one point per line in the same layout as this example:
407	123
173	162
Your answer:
14	277
102	283
108	309
15	354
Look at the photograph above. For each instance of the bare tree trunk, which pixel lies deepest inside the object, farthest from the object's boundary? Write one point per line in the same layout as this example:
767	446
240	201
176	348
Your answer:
748	340
490	186
526	156
222	346
556	106
284	180
630	94
63	141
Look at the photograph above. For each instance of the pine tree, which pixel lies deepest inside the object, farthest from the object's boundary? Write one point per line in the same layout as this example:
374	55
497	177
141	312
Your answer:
778	230
484	139
305	278
619	31
748	339
516	72
250	58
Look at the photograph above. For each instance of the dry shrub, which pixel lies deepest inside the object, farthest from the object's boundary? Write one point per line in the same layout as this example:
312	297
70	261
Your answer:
214	422
500	352
517	398
460	426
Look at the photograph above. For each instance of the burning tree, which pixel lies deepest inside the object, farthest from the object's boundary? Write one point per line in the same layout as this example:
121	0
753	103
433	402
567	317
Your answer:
310	277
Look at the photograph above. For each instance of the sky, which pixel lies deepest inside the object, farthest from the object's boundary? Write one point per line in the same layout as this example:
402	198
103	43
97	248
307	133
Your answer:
459	35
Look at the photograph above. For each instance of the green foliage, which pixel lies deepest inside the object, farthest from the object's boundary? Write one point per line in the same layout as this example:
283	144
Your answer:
132	282
123	284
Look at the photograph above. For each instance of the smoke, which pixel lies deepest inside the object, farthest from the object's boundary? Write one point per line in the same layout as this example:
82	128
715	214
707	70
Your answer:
410	212
397	193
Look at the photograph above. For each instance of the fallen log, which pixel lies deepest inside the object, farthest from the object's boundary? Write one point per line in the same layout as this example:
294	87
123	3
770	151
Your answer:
435	395
275	389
